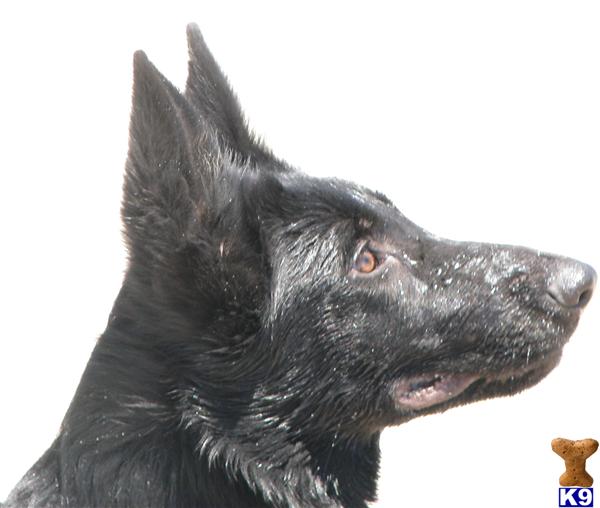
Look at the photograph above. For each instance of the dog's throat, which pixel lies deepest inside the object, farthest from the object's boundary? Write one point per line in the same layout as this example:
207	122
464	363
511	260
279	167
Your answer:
423	391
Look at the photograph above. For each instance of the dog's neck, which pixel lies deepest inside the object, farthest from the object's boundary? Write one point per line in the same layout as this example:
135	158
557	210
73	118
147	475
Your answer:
349	468
227	459
312	473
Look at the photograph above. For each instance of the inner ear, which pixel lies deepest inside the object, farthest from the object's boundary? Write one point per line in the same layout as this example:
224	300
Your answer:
208	90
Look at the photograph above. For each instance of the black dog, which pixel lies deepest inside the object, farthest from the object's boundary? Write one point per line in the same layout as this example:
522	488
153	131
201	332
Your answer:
271	324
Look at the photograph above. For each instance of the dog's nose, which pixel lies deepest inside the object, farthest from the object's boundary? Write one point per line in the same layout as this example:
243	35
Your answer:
572	284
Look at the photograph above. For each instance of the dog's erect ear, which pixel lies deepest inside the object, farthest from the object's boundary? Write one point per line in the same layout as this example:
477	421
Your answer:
209	92
187	156
165	170
161	120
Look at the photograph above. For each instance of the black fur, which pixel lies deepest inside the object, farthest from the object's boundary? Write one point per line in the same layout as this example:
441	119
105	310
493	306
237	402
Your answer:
248	362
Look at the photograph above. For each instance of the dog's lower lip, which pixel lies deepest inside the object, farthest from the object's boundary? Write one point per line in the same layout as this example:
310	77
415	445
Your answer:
423	391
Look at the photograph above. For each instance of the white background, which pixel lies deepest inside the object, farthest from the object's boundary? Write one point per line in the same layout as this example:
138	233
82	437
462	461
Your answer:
481	120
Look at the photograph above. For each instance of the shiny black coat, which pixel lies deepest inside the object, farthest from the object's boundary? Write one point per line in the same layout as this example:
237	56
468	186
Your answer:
271	324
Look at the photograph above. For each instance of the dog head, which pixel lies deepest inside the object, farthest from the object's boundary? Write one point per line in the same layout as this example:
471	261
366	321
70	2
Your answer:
310	303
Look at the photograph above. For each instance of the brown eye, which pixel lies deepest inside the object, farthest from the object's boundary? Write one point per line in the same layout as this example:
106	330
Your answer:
366	261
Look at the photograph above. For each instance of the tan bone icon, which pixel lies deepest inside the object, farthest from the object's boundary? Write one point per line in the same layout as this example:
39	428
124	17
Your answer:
575	454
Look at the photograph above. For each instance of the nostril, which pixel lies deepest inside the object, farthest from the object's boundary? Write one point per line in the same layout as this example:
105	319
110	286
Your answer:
585	297
572	286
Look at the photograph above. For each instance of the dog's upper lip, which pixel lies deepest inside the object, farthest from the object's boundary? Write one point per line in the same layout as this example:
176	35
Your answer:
426	390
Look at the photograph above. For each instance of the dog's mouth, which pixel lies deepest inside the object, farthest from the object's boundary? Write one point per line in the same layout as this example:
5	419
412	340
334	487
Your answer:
423	391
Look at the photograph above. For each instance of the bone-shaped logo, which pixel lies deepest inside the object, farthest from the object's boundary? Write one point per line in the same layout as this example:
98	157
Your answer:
575	454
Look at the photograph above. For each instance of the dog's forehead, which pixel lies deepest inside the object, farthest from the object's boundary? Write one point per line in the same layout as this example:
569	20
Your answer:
345	195
367	198
373	209
379	216
337	200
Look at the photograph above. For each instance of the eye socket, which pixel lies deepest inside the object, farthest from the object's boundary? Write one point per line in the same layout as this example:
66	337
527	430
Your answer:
366	261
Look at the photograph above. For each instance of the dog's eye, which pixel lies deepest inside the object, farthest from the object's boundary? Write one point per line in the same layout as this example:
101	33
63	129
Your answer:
366	261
